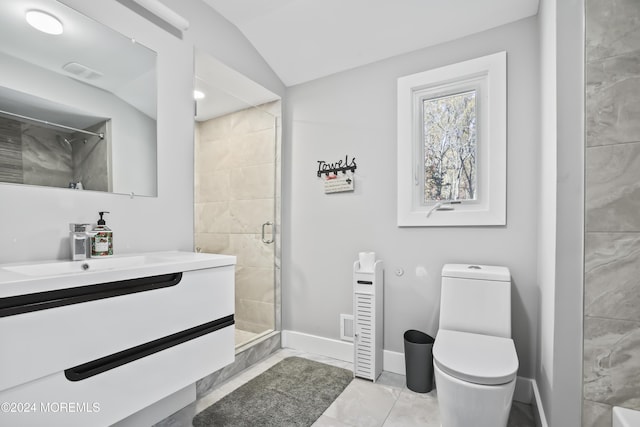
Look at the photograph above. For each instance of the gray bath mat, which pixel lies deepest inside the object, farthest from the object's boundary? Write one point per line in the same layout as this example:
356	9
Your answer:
295	392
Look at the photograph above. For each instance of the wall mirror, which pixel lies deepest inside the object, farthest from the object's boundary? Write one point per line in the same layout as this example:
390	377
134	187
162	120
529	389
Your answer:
77	102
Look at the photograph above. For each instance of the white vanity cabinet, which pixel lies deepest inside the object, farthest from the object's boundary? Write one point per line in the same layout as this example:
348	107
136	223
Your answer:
94	354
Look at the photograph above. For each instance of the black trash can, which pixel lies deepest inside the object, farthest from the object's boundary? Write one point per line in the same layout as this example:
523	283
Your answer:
418	361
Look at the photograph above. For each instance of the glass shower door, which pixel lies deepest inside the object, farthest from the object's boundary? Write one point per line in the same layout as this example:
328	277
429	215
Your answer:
235	172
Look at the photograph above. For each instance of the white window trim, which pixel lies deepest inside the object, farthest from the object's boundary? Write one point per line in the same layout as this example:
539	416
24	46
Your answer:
490	74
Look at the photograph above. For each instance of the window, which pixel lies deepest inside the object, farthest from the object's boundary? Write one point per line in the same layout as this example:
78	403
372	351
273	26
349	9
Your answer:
449	147
452	144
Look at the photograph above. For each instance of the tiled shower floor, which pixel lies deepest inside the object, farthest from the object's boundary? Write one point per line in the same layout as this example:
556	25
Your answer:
386	403
243	337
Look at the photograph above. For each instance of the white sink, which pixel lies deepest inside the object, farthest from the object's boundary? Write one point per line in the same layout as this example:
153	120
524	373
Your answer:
41	276
89	265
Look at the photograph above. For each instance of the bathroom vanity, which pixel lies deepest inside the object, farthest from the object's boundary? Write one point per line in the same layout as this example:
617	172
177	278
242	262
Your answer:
92	342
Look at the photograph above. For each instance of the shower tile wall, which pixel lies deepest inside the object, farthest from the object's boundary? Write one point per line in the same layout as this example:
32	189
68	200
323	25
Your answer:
45	159
612	235
90	159
234	196
10	151
35	155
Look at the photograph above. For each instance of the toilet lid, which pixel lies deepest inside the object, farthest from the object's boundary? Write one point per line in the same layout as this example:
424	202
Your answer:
476	358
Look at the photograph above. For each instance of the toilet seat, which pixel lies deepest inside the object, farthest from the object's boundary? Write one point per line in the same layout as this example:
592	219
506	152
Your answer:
476	358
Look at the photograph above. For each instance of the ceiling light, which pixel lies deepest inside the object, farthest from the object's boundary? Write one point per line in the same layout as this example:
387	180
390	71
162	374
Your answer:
44	22
198	95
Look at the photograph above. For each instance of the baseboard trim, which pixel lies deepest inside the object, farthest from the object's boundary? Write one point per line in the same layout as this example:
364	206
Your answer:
342	350
328	347
538	411
392	361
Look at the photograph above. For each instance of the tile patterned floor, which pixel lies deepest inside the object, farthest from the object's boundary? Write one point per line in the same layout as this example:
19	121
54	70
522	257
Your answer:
386	403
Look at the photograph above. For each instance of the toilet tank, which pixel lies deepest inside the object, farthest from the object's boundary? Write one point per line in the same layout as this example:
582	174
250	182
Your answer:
476	299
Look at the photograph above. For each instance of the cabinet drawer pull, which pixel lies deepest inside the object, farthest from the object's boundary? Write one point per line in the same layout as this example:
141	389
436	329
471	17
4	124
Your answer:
10	306
98	366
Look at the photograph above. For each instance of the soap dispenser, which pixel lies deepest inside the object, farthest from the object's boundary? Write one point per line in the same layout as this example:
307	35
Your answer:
101	238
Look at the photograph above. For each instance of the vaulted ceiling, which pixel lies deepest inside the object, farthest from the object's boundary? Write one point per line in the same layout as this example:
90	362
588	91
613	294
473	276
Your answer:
303	40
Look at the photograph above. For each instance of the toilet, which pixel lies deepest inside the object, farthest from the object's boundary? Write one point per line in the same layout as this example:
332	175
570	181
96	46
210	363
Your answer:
474	358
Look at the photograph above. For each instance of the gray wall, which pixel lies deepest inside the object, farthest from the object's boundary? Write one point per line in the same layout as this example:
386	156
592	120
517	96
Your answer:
612	239
42	214
354	113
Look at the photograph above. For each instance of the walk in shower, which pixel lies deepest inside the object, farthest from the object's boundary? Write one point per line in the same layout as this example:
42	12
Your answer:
237	142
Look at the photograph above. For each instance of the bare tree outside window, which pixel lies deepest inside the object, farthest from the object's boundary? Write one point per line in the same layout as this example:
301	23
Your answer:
450	142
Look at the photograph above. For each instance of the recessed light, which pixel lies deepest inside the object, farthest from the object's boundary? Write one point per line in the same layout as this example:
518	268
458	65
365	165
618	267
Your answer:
198	95
44	22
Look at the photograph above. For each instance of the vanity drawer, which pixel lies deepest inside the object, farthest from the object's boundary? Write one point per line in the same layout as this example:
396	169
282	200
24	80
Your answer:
110	396
45	342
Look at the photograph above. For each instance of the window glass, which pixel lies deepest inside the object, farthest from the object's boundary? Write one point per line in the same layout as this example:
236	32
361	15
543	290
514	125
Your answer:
450	146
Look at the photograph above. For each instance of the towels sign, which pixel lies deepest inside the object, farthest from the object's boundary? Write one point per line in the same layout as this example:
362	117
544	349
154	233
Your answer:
334	182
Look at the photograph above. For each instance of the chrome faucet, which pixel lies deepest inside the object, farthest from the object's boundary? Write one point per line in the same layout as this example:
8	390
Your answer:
79	241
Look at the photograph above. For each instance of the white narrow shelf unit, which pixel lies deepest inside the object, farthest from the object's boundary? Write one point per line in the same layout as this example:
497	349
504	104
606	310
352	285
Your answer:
368	321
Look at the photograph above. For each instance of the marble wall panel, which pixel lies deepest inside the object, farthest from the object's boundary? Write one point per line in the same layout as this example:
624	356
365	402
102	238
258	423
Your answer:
212	217
253	119
247	216
612	202
252	283
253	182
272	108
213	155
248	248
213	243
612	361
256	312
251	251
253	327
213	186
612	198
215	129
613	100
253	149
596	414
612	275
612	28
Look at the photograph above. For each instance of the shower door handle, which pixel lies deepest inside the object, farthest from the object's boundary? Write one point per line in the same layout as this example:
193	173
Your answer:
263	227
